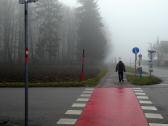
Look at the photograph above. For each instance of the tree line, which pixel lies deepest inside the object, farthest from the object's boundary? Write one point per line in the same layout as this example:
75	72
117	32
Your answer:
57	33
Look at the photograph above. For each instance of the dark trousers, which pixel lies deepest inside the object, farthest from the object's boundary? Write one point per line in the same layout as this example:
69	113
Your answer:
120	76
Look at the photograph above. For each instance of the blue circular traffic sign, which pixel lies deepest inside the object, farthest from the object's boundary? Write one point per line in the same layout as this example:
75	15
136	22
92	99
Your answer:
135	50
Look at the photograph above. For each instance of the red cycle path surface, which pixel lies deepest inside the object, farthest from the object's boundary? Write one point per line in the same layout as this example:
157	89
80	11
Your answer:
112	107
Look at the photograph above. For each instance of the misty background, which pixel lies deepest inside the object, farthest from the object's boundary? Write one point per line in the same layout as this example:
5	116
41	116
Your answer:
59	30
132	23
58	34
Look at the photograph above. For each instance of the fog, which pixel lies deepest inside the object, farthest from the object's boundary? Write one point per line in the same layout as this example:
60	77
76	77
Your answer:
132	23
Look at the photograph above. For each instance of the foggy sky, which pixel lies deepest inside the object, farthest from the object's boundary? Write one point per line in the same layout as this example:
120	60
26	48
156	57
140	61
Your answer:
133	23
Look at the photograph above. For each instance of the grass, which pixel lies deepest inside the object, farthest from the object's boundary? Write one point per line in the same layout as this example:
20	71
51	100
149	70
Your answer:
145	80
90	83
130	69
94	81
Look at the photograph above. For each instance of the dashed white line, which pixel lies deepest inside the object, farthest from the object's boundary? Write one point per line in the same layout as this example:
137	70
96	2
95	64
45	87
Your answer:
73	112
149	108
85	95
142	97
145	102
157	124
137	93
154	116
79	105
67	121
138	90
89	89
89	92
83	99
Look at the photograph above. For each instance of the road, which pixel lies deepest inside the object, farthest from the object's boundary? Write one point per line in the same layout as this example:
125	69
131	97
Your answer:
158	93
70	106
161	72
46	105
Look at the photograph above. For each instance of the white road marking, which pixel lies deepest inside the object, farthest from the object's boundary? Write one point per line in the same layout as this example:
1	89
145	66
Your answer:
149	108
67	121
142	97
83	99
157	124
145	102
89	89
154	116
85	95
79	105
138	90
73	112
89	92
137	93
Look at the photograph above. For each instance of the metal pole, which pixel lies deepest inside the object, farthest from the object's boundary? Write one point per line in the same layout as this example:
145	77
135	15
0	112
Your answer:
26	63
83	60
135	63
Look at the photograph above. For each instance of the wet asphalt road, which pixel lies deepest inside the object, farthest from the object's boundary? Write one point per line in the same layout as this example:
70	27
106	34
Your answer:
46	105
159	96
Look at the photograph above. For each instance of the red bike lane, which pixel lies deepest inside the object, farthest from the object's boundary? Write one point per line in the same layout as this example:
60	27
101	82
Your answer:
112	107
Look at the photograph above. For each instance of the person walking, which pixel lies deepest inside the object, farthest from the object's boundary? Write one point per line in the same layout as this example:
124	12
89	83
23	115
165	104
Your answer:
120	68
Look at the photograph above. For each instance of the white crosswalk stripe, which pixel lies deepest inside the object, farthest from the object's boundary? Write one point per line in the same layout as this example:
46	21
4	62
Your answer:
73	112
142	97
137	93
67	121
138	90
157	124
149	108
79	105
89	92
153	116
145	102
85	95
83	99
89	89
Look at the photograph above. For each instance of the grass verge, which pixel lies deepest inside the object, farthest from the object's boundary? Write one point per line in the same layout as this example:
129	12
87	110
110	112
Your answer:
145	80
90	83
94	81
130	69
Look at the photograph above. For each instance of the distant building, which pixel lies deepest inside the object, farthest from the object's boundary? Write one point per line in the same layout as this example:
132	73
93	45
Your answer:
163	53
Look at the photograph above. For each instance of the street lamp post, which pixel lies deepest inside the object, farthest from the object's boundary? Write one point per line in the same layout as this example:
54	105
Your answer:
25	2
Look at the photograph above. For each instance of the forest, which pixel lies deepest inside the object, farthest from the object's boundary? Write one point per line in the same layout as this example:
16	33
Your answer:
57	35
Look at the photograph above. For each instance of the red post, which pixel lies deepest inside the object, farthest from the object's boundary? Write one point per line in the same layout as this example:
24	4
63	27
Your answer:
26	55
82	76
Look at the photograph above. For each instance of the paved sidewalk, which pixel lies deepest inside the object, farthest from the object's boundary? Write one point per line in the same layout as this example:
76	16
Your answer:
111	80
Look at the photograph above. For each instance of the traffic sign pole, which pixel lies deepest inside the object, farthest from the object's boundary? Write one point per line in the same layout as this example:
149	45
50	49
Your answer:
26	63
135	50
135	64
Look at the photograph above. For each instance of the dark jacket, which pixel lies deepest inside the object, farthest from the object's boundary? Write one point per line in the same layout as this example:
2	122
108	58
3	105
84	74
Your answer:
120	67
